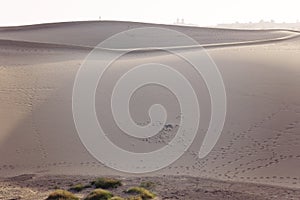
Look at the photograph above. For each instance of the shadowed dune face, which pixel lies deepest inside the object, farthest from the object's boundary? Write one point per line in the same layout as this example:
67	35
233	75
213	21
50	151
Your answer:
260	142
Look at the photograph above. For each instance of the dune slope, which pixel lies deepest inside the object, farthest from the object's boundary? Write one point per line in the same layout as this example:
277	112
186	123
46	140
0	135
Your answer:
260	142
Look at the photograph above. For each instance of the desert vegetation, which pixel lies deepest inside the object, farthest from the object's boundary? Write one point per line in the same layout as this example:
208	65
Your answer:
62	195
142	192
99	189
99	194
79	187
106	183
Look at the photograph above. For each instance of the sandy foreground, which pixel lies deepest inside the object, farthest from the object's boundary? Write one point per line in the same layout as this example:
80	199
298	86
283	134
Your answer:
32	186
257	156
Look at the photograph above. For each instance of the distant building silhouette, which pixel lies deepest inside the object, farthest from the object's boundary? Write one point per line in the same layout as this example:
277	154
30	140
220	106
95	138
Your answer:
179	21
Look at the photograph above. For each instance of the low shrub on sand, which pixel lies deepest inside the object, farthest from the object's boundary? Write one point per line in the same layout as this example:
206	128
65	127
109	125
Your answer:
62	195
106	183
78	187
99	194
142	192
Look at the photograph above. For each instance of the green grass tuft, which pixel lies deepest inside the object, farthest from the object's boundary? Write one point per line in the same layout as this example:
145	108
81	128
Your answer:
99	194
78	187
106	183
142	192
62	195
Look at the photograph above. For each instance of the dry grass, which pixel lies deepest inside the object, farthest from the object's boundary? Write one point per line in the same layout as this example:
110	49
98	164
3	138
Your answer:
99	194
106	183
142	192
62	195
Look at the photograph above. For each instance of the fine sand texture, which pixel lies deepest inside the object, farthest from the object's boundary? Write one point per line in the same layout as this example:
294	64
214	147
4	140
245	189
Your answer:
260	142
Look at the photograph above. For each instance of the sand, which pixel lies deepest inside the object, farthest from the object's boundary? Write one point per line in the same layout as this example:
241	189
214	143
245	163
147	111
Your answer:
32	186
260	143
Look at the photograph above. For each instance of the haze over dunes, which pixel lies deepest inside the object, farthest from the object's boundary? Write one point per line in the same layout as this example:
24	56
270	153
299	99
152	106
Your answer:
262	25
260	142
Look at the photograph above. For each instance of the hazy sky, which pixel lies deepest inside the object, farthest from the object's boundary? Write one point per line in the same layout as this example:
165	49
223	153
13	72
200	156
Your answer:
210	12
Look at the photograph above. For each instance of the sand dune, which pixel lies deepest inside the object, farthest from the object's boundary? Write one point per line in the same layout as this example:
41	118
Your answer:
260	142
94	32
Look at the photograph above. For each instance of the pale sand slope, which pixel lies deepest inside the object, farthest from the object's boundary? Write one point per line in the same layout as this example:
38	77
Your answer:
260	142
